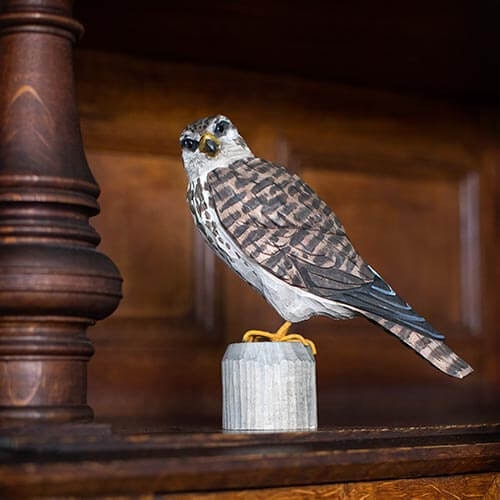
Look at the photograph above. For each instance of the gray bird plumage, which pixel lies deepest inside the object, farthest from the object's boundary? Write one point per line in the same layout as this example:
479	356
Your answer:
277	234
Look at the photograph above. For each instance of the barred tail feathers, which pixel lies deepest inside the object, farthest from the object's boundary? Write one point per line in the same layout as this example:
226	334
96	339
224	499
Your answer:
434	351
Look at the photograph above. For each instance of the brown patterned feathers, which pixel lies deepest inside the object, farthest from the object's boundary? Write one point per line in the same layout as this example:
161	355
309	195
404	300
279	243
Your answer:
278	235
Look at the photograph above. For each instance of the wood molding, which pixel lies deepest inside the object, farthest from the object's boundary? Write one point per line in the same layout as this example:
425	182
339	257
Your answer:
134	460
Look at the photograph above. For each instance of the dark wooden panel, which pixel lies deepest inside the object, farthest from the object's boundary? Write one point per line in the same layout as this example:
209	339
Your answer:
147	230
449	48
155	368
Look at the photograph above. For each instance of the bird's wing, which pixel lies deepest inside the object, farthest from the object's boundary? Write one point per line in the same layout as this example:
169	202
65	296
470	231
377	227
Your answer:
283	225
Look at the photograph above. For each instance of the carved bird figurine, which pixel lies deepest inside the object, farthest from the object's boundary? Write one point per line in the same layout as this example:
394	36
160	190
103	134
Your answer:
276	233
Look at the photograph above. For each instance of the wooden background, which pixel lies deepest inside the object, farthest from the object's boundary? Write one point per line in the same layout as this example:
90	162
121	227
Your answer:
413	179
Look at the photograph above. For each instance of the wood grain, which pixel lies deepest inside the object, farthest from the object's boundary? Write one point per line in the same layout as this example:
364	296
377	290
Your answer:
53	281
144	195
483	486
87	461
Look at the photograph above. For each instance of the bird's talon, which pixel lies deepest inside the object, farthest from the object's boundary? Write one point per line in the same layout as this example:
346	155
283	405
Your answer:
281	335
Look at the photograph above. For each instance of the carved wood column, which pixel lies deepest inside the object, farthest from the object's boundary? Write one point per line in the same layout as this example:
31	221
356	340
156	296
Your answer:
53	282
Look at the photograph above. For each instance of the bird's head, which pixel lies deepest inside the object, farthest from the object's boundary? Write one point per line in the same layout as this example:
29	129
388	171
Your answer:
211	143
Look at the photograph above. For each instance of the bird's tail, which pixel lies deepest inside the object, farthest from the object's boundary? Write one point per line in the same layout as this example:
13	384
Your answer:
434	351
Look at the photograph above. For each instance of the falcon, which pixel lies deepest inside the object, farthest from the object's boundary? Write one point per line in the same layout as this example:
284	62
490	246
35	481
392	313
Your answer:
277	234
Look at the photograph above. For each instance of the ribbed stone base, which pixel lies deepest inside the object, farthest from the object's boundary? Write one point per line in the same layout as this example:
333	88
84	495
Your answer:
269	386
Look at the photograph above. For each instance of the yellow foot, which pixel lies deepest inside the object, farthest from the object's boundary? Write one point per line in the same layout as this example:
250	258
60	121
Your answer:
281	335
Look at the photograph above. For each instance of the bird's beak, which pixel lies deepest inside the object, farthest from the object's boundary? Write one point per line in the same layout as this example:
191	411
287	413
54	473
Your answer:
209	144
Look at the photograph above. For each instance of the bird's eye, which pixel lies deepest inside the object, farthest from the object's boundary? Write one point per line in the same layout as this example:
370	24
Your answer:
221	127
189	144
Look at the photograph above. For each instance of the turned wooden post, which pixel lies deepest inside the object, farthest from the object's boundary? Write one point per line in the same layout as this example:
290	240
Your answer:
53	283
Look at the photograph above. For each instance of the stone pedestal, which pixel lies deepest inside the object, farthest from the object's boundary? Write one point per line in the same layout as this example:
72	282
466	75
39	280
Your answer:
269	386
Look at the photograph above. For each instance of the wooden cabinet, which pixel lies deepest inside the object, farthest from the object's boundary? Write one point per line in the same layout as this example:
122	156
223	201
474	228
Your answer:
384	114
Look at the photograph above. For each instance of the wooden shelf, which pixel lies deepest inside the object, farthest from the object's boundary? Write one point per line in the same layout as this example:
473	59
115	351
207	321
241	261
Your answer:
130	458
